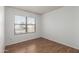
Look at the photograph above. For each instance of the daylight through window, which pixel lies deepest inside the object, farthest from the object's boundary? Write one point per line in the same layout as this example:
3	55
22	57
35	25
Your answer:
24	24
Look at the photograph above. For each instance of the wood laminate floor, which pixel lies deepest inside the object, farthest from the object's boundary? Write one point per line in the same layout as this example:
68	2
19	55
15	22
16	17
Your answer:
39	45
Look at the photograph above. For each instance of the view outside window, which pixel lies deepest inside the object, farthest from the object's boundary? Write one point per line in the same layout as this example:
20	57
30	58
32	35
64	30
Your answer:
30	24
24	24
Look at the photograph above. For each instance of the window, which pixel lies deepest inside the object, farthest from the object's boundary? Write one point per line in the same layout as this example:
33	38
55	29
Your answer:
24	24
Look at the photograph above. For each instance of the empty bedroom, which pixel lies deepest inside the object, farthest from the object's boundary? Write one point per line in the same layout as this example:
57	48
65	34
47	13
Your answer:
39	29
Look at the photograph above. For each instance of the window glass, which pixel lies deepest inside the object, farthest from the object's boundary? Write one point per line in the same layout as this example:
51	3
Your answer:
20	20
30	28
20	28
30	20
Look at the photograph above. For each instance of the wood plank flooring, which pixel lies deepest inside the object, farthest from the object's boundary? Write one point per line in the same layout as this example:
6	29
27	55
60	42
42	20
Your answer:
39	45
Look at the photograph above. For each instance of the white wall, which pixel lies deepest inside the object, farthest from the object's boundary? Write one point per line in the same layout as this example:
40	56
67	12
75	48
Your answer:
76	28
59	26
1	29
10	37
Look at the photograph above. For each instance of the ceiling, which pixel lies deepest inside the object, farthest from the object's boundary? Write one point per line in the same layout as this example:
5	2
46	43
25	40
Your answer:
38	9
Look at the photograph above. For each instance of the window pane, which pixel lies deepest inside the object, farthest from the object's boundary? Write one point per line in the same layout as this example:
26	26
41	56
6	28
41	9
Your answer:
20	29
30	28
20	20
30	20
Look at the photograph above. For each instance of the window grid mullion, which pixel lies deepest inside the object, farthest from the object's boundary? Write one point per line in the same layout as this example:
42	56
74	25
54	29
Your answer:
26	24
